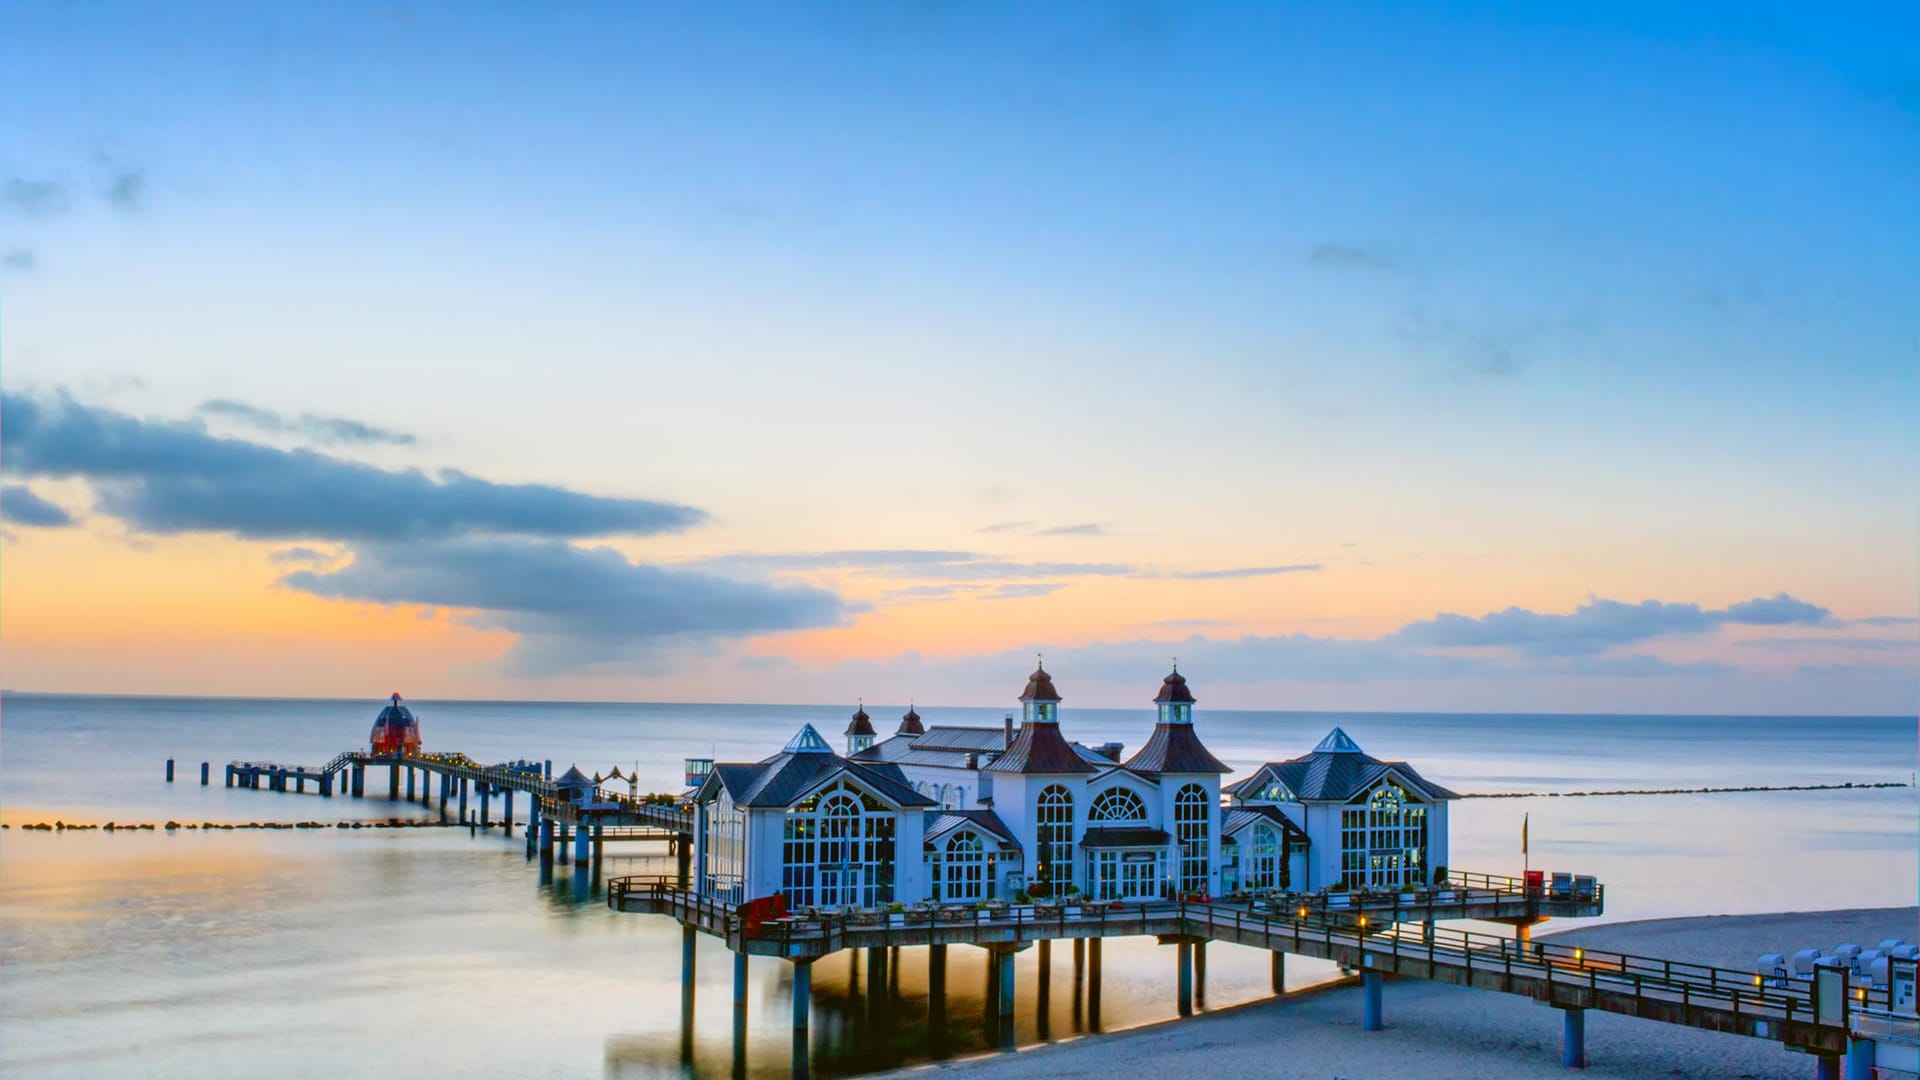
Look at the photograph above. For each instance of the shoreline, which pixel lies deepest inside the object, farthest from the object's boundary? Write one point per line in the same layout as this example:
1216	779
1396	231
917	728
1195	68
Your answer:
1435	1030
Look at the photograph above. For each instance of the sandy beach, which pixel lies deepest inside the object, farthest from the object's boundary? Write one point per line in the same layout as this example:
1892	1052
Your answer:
1446	1031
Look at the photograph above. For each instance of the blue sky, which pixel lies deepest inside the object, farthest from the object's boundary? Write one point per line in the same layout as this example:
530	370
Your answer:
1471	307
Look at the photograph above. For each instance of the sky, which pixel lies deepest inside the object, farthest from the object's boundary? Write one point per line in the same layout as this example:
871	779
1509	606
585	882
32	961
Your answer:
1438	357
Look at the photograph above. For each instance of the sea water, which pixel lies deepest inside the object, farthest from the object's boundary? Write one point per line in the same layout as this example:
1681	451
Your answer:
356	952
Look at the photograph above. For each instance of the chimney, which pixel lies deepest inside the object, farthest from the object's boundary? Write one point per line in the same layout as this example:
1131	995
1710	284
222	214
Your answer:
1009	729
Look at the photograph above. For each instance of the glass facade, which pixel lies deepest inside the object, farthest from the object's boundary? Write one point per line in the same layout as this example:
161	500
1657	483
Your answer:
724	846
838	850
1190	823
1118	804
1053	837
1383	840
962	870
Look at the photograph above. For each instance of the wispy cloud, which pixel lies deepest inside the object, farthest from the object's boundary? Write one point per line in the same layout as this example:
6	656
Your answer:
1887	620
1007	526
301	556
21	259
325	430
1798	644
1086	529
34	198
1024	590
1033	528
1247	572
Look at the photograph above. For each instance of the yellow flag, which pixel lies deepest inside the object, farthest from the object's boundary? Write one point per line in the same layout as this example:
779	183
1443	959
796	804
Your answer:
1523	833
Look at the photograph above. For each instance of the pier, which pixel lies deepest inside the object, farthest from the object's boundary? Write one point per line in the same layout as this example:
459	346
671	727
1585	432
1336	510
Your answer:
1376	938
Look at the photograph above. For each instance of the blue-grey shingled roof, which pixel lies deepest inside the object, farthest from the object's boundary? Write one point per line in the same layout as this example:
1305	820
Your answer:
942	822
780	780
1336	775
1239	817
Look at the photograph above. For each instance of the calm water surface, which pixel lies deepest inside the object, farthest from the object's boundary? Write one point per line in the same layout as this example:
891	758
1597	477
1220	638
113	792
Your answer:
327	953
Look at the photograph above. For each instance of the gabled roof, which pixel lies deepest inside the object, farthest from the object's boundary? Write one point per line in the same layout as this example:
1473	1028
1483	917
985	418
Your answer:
942	822
784	778
1175	748
1338	774
980	739
1040	748
1040	686
1239	817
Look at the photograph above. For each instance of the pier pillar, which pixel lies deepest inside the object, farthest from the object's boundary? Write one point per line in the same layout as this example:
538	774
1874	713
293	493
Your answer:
1826	1067
506	812
1079	959
802	994
563	835
1860	1059
687	935
583	842
1093	984
1006	997
1279	972
359	781
1043	990
205	768
410	780
937	997
1573	1044
534	822
546	838
169	770
739	982
326	785
1200	973
393	782
486	806
229	775
1523	933
1370	1000
876	980
549	773
463	798
1184	950
682	859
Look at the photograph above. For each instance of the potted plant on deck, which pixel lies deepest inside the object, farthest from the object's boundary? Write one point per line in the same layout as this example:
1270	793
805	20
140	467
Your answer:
1070	902
1022	905
896	914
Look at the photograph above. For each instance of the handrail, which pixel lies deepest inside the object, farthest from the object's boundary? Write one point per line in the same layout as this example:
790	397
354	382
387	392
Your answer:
1644	977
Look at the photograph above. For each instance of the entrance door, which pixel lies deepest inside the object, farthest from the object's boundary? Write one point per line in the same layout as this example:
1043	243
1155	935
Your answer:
1139	877
840	886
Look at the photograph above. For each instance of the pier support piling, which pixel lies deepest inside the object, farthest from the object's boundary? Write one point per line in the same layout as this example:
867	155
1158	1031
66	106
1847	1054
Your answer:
1043	991
739	982
464	784
688	935
410	785
1370	1000
169	770
546	838
486	806
1200	973
802	994
1006	998
393	783
1184	950
506	812
583	842
1573	1044
1279	972
205	770
1826	1067
563	835
1093	984
1860	1059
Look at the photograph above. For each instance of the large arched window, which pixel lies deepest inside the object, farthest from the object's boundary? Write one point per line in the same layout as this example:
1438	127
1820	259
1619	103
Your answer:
1383	839
1053	837
961	871
1117	804
1190	820
838	850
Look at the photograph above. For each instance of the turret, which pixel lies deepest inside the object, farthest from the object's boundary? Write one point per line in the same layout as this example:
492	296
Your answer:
860	731
1040	702
910	724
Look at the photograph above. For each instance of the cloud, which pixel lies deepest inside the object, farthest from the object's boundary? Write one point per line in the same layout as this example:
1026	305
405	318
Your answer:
127	190
1794	644
34	198
1473	351
1024	590
1175	624
20	506
21	259
173	477
1247	572
293	555
1087	529
570	607
1007	526
326	430
1887	620
1600	624
1344	257
930	565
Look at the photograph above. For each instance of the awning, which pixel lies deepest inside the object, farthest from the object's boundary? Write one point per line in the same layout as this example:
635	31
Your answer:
1112	838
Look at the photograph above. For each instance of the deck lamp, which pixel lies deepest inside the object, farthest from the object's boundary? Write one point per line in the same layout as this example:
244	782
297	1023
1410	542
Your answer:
1579	954
1363	920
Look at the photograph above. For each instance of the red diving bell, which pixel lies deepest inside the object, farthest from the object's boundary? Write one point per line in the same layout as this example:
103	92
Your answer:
395	732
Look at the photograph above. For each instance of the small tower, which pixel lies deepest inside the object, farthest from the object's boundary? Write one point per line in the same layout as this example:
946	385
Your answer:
1040	702
1175	700
859	731
395	731
910	724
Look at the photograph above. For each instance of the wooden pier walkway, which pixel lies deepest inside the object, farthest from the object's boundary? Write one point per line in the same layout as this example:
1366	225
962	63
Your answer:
1403	942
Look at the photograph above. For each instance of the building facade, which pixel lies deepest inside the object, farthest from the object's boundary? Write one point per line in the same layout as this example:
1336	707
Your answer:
962	815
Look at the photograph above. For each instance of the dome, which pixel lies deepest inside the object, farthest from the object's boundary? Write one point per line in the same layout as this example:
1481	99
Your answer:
1040	686
1173	690
910	723
861	724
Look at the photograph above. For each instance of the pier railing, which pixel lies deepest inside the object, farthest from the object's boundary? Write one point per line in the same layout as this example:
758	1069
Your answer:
1572	976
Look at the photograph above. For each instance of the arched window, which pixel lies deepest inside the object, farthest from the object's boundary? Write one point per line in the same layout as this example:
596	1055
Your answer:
952	796
1384	844
1262	858
962	869
1118	804
837	850
1190	822
1053	837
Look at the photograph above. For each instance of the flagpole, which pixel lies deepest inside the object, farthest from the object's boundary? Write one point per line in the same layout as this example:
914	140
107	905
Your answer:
1526	856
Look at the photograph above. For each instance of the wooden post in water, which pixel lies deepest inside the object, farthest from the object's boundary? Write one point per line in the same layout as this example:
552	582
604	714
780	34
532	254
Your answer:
169	770
506	814
463	798
1200	972
1093	983
1184	953
206	768
1279	972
